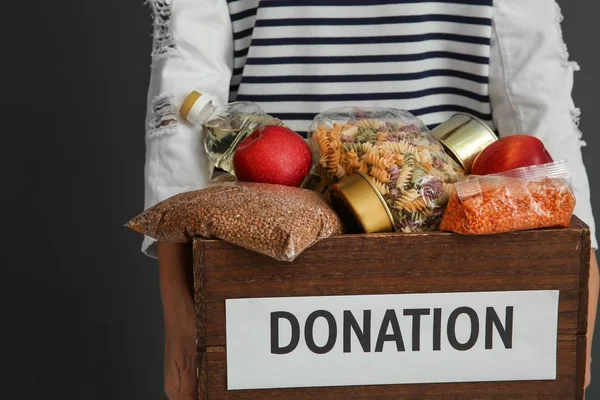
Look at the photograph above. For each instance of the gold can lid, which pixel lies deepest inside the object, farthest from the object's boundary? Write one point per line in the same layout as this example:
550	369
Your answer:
464	136
361	206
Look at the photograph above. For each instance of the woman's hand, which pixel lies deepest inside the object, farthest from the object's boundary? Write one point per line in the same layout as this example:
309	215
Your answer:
180	381
594	286
176	287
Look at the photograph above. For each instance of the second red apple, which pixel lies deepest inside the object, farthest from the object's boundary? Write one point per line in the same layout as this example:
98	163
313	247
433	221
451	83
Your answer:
510	152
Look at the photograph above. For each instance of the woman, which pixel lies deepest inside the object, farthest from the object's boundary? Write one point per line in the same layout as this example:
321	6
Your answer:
300	57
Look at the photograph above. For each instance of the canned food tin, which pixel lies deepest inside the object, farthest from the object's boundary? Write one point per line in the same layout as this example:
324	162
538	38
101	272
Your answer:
464	137
361	206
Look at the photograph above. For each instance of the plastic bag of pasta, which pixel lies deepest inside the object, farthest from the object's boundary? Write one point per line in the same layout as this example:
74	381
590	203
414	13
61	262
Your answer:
395	150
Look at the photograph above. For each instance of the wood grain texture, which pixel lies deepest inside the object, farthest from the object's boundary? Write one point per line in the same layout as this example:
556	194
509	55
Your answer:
584	274
563	388
553	259
200	302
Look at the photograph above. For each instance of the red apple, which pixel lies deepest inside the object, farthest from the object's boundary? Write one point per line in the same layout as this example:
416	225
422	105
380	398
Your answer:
510	152
273	154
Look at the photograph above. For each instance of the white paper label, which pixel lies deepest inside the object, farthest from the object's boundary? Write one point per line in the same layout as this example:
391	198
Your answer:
391	339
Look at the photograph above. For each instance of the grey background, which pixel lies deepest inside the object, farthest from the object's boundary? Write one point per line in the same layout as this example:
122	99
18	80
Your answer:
82	315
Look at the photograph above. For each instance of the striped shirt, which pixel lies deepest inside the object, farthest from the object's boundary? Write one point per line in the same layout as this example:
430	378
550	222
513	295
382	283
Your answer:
296	58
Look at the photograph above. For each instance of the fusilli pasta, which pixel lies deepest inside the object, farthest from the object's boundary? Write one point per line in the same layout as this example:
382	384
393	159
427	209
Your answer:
381	174
406	198
417	205
380	186
404	178
407	166
378	161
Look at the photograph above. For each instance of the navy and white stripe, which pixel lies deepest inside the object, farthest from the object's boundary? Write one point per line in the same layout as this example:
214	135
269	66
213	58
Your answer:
296	58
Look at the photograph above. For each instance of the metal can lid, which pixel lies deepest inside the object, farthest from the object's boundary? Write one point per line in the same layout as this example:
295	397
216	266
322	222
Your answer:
464	136
361	206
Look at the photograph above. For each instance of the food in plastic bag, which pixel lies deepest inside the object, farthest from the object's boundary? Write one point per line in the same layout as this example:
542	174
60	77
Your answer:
396	151
278	221
224	127
538	196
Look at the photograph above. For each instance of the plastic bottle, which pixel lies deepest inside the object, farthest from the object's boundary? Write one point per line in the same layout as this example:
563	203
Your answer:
224	126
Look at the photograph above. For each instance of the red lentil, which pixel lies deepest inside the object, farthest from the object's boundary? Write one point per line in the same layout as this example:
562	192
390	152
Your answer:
514	205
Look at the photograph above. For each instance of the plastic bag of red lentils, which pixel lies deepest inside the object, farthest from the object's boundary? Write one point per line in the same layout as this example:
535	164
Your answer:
539	196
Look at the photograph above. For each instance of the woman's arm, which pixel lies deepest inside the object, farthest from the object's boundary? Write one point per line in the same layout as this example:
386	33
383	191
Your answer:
531	80
192	50
594	287
176	290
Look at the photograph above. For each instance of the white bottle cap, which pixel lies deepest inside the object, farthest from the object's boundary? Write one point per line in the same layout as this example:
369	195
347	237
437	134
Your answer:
194	108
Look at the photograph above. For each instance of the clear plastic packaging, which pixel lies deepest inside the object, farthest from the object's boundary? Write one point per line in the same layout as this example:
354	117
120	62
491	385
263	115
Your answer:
538	196
396	151
224	128
278	221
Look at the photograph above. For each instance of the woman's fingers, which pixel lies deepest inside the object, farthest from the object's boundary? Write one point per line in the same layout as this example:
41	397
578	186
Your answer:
180	381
